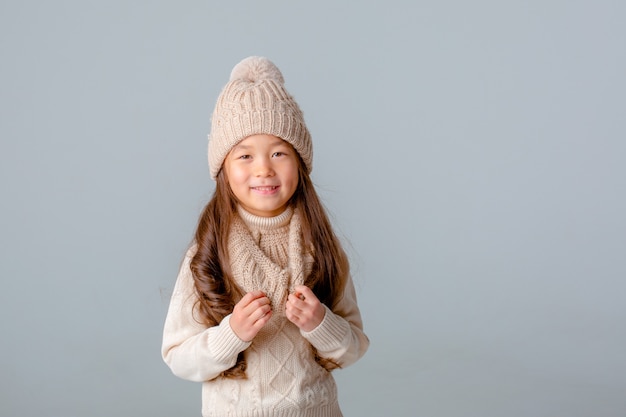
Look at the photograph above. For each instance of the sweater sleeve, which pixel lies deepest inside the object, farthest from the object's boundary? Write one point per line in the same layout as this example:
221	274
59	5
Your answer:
340	335
190	349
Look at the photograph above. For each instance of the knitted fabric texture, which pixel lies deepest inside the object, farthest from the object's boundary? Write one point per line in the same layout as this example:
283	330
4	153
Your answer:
267	255
255	101
284	379
269	247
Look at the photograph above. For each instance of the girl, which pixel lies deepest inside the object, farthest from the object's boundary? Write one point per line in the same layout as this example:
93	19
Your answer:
264	306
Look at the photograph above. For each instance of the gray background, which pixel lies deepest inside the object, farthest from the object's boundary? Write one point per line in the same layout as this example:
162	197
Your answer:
471	155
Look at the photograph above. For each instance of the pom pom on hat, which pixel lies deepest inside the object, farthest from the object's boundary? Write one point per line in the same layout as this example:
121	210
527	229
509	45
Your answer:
255	102
256	68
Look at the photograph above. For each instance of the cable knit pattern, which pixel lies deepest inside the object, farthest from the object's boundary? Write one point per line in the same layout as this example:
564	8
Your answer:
283	377
262	259
255	101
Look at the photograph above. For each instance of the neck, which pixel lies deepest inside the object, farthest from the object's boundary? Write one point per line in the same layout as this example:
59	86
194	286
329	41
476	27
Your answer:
265	222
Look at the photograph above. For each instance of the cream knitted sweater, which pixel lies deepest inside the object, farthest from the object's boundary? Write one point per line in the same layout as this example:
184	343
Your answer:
283	377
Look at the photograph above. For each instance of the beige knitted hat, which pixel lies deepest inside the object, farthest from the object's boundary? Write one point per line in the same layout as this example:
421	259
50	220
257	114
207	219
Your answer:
255	101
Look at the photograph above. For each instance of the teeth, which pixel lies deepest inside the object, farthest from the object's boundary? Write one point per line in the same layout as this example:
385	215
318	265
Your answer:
264	188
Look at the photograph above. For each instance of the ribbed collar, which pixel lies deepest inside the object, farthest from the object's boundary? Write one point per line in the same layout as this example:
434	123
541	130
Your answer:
265	223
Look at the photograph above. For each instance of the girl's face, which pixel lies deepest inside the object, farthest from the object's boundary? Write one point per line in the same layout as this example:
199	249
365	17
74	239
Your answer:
262	172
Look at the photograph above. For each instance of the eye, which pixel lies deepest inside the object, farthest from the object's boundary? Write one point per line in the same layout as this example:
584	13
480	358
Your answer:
244	157
282	152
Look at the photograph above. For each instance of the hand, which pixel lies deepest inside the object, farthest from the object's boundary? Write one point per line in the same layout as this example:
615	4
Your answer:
304	309
250	314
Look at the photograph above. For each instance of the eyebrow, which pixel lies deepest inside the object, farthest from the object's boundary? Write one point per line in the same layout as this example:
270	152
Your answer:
277	142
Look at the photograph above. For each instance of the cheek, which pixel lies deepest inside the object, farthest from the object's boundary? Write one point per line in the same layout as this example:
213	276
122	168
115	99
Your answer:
292	180
293	173
235	175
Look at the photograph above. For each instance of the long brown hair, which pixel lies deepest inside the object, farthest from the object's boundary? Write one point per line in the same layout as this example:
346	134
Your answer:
216	289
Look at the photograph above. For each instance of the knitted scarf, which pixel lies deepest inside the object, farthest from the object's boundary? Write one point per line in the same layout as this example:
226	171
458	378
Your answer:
253	270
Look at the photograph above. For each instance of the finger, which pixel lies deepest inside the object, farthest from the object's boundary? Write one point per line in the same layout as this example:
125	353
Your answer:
292	316
257	307
256	294
249	297
256	315
296	301
305	298
263	320
304	292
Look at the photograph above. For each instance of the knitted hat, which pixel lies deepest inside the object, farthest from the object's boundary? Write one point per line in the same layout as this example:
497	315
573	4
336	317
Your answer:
253	102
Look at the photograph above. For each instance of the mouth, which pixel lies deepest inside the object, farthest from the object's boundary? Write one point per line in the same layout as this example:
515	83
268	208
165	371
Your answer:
265	188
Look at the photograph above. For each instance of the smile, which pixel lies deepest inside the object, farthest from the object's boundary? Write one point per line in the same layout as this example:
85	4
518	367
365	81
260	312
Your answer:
266	188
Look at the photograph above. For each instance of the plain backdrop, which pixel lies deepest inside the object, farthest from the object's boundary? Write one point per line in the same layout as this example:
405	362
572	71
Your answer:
471	155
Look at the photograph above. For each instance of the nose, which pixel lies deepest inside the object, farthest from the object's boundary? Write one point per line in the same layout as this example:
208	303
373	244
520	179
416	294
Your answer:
263	168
